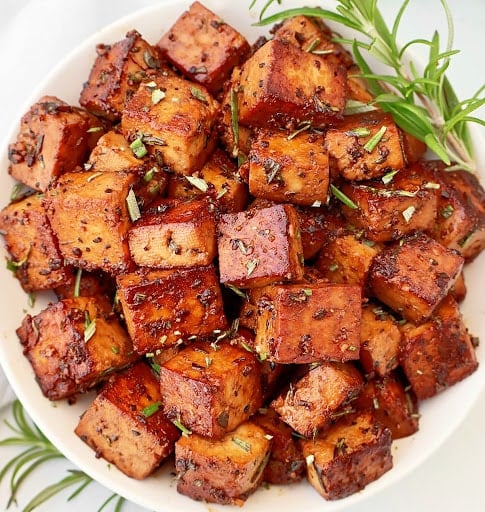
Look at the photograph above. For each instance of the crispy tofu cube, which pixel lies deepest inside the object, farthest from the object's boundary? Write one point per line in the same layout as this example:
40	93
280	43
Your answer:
179	128
288	168
276	91
74	344
388	211
460	222
93	205
54	138
167	307
286	464
211	389
312	401
117	72
225	471
125	425
347	258
357	156
313	228
380	341
182	234
310	322
87	284
413	148
353	453
414	275
259	246
219	179
438	353
392	404
203	47
34	254
314	36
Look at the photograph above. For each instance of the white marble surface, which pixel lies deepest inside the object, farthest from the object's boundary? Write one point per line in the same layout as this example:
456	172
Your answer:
35	34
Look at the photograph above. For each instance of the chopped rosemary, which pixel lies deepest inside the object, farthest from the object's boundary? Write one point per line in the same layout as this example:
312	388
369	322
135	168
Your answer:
408	213
89	327
138	148
244	445
357	107
151	409
150	174
185	431
447	211
235	121
199	183
236	290
94	129
313	45
360	131
77	282
157	96
132	205
251	266
342	197
372	143
387	178
303	127
199	95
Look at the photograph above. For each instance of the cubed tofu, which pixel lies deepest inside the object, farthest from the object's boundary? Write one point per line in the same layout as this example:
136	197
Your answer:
347	258
125	425
310	403
93	206
438	353
211	388
460	223
176	125
203	47
365	146
74	344
117	72
286	464
180	234
308	323
54	138
260	246
314	36
289	168
225	471
413	148
168	307
392	404
219	179
387	211
353	453
87	284
276	91
34	255
414	275
380	341
314	228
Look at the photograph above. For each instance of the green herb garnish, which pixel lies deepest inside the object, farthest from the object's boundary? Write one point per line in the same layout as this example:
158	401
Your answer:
132	205
151	409
342	197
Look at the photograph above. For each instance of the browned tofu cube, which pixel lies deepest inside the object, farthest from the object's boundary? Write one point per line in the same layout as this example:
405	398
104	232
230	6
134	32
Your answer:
286	464
203	47
438	353
347	258
218	179
380	341
93	206
88	284
34	255
178	234
313	36
168	307
125	425
211	388
353	453
460	223
117	72
365	146
392	404
54	138
310	322
413	148
311	402
275	91
387	211
288	168
73	344
413	275
314	228
260	246
225	471
176	126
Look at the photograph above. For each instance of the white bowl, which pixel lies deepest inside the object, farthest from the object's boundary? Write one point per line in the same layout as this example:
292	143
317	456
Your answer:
439	416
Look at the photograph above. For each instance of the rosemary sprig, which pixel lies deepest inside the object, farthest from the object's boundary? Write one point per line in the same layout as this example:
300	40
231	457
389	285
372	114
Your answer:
422	103
38	450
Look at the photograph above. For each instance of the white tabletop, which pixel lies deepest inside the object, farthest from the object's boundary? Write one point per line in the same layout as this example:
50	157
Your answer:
35	34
